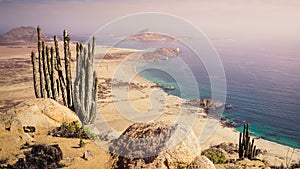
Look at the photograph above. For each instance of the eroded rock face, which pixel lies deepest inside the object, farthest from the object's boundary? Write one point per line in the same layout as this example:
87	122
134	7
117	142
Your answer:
45	113
155	145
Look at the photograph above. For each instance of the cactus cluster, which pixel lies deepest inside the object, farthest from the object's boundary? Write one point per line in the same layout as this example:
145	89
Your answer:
85	86
247	149
51	81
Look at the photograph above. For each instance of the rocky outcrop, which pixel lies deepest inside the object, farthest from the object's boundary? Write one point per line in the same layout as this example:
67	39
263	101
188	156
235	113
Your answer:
205	103
155	145
150	36
159	54
43	113
21	36
116	55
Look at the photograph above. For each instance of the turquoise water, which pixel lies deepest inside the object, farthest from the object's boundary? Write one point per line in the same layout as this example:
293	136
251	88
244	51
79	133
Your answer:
263	85
264	93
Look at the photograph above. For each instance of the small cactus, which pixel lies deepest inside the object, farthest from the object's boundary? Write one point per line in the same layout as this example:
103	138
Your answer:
247	149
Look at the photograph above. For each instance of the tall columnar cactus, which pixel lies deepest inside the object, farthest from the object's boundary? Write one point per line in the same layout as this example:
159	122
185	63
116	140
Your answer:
58	67
68	68
45	55
53	79
53	75
247	149
35	76
41	69
85	86
51	72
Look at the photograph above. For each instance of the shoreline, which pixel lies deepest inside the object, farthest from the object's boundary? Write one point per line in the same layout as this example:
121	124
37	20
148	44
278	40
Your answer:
275	151
139	99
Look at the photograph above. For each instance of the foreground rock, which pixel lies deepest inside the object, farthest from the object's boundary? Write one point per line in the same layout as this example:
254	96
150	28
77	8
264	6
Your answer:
156	145
40	156
37	113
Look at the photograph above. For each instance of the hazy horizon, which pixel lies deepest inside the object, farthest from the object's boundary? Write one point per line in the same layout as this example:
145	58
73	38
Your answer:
234	20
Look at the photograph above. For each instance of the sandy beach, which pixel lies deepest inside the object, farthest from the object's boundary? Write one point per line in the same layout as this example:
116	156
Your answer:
120	106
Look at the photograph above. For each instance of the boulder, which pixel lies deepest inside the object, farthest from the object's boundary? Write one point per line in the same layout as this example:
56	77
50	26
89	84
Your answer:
37	113
155	145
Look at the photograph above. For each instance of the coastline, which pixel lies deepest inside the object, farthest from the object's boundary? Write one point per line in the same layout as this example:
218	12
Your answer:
276	154
139	99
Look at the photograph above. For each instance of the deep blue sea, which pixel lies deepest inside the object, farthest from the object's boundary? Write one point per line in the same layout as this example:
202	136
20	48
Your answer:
263	85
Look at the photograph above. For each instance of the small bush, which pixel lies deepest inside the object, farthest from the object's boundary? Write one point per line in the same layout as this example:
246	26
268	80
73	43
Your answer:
81	143
72	130
214	155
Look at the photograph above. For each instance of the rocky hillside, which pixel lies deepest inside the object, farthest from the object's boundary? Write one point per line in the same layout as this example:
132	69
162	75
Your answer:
21	36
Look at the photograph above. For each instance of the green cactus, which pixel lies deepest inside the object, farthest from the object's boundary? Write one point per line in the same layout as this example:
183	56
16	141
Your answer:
68	68
85	86
61	80
35	76
247	149
45	56
41	70
53	75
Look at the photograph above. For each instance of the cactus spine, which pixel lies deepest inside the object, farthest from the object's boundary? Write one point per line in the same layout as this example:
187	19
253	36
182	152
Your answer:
85	89
247	149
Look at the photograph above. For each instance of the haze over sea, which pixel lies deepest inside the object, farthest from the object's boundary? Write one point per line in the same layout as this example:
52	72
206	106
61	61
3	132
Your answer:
263	85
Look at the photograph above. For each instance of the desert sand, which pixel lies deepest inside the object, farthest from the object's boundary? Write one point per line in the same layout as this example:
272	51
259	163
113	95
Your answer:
146	104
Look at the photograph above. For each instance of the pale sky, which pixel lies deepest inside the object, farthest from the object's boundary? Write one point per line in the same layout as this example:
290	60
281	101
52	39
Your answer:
271	20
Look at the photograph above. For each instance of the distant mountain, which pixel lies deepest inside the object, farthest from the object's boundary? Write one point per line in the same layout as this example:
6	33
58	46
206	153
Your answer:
21	36
146	35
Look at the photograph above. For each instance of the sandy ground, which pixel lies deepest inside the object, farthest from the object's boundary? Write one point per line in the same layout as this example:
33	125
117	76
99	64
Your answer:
119	106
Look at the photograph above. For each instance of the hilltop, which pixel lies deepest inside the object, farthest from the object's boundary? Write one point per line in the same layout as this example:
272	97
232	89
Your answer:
22	35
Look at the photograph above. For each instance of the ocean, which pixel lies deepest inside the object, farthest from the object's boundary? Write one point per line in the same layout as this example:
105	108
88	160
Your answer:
263	85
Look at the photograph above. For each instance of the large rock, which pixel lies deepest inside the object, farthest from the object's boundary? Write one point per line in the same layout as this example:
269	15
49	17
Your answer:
155	145
39	113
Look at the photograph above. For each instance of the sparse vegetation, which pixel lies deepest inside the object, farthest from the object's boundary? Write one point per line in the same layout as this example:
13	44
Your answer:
247	149
214	155
72	130
81	143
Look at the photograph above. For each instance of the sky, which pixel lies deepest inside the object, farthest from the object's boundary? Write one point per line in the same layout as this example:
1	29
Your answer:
242	20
